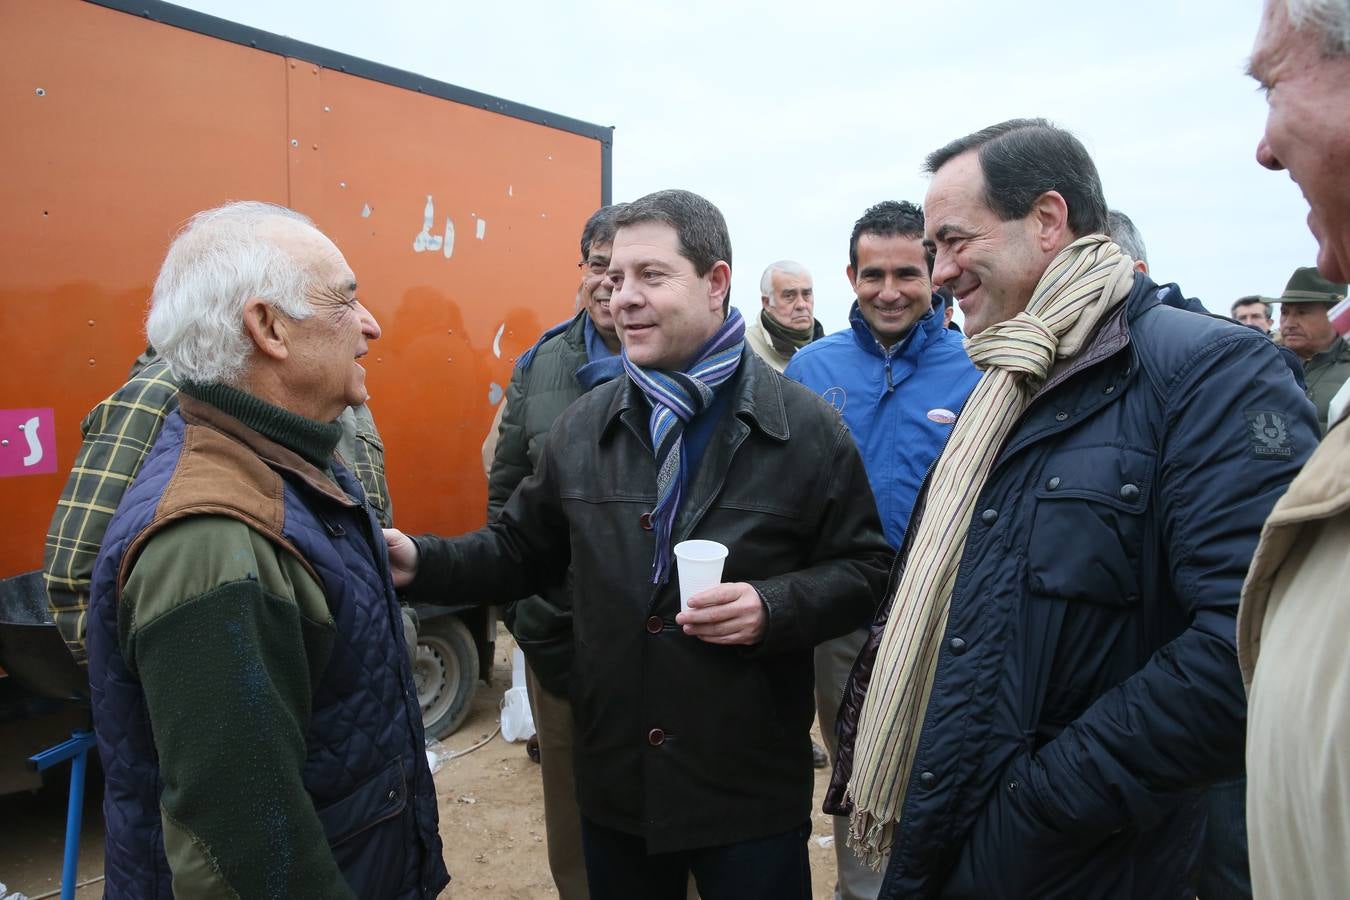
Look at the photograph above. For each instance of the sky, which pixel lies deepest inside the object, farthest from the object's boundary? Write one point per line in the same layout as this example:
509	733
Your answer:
793	118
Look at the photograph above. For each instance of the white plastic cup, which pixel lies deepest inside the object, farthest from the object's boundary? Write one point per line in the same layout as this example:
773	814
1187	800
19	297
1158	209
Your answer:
699	565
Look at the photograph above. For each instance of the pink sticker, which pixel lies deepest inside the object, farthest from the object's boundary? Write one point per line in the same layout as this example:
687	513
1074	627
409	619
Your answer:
942	416
27	442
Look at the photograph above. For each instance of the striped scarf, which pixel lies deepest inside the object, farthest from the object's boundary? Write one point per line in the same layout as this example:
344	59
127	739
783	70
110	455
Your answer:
676	398
1087	280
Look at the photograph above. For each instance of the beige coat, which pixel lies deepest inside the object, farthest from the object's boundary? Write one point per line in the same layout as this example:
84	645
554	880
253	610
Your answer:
1293	637
760	342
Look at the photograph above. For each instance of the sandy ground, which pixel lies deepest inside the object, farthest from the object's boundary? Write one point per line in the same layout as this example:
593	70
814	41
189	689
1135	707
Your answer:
491	808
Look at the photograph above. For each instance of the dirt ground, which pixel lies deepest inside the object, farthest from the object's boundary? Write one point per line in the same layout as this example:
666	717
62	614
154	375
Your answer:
491	808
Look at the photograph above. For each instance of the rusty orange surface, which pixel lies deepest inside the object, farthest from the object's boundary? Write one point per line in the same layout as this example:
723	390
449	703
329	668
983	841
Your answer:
119	128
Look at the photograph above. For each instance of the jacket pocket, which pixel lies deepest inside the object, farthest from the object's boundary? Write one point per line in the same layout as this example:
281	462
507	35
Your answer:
372	835
380	797
1087	529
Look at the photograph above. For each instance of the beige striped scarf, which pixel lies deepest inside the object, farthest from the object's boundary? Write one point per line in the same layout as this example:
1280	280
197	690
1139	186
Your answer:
1088	279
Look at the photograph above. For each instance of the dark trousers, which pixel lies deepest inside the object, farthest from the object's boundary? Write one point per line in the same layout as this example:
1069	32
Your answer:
618	867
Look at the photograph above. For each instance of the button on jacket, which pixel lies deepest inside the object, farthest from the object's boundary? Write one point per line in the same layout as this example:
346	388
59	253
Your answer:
1087	687
684	742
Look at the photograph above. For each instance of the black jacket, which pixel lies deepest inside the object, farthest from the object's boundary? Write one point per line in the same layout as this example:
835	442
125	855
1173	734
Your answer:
684	742
1087	687
537	394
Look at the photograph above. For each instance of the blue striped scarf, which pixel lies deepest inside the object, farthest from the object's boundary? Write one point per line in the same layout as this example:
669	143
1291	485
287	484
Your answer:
676	398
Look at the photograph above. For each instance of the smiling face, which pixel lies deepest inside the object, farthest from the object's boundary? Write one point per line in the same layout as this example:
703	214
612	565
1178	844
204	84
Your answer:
663	308
596	291
992	266
793	302
1308	128
322	375
891	283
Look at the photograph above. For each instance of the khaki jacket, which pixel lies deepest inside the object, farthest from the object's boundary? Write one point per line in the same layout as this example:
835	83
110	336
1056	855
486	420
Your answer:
1291	645
759	341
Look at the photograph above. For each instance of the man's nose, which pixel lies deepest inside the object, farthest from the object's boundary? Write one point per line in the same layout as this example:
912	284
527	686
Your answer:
1266	157
369	327
944	269
622	296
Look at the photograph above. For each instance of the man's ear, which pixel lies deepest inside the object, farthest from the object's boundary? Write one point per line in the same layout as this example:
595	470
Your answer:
1050	219
719	283
267	328
848	271
764	301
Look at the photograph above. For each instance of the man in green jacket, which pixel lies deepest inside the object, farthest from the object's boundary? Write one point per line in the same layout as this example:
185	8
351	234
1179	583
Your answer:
1307	331
568	361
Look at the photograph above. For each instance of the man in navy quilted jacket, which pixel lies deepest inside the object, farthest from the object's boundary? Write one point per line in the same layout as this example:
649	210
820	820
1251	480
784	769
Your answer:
252	694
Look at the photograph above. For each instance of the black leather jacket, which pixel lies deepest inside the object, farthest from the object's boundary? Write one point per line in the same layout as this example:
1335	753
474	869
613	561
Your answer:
681	741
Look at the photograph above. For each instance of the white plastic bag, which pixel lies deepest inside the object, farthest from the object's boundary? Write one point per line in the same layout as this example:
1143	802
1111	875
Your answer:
517	719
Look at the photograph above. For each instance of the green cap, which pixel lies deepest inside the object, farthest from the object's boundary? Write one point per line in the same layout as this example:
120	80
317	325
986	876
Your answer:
1307	286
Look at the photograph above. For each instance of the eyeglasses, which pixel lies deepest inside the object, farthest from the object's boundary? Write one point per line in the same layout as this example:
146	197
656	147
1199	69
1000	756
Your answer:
596	266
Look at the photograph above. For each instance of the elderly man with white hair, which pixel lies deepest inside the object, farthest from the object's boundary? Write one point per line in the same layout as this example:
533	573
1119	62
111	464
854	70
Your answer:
787	321
1294	617
252	696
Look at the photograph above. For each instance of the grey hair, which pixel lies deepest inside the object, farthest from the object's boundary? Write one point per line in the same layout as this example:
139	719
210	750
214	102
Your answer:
1121	229
1330	17
215	264
787	267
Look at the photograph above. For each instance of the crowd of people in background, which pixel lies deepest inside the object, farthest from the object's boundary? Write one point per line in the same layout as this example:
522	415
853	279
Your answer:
1064	583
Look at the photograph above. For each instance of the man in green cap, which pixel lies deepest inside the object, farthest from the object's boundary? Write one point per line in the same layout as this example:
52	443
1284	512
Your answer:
1307	331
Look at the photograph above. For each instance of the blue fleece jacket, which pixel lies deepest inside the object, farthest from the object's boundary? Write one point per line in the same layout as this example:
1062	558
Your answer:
899	403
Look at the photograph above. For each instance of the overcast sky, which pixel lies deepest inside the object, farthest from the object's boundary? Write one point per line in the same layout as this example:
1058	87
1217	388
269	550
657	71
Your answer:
793	118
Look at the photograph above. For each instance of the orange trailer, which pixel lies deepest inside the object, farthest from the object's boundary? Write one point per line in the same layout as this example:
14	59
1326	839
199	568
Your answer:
459	213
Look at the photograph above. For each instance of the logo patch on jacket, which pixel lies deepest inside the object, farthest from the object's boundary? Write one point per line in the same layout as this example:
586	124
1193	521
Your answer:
1269	432
941	416
836	397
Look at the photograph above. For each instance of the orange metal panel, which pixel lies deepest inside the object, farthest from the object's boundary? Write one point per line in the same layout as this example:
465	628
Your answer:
119	128
389	155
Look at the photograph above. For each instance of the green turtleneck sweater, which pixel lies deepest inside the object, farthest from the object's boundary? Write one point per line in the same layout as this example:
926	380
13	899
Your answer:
228	634
315	441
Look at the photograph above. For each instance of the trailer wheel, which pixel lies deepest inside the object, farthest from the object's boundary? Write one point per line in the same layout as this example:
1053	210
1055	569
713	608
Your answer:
445	671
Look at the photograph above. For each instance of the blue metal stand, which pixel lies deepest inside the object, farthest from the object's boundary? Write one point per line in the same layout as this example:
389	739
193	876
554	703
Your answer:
76	749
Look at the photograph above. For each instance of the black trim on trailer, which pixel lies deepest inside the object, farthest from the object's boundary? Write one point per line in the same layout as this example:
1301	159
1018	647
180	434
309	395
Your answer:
211	26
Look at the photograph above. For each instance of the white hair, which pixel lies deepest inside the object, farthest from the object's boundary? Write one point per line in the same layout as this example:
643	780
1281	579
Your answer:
217	262
787	267
1330	17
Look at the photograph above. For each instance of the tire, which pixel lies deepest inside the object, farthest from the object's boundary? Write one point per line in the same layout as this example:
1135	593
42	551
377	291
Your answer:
445	672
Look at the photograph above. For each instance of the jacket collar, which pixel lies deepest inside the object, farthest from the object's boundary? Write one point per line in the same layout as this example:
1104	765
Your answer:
924	332
201	413
1339	351
1113	335
757	399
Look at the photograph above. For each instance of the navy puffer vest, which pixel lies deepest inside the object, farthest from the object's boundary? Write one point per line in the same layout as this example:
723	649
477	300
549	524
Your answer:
365	770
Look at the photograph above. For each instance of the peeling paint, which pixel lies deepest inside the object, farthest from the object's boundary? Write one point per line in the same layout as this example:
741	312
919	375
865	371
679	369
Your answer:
425	240
482	228
510	190
449	237
494	393
497	341
366	211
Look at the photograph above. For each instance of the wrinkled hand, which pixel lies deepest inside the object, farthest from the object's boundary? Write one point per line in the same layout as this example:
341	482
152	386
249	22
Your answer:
402	557
725	614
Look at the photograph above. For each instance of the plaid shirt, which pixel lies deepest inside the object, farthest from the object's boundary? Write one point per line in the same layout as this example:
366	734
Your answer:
118	435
